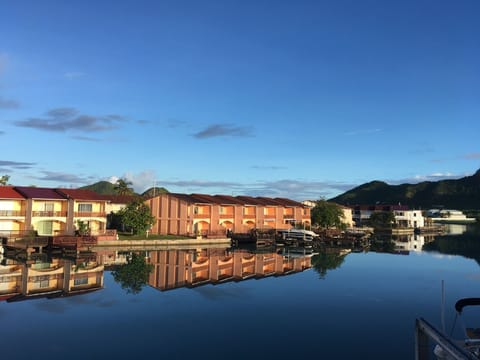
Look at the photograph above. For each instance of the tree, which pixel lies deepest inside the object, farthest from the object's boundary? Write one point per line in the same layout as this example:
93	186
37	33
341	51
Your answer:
122	187
4	180
133	276
137	217
382	219
327	214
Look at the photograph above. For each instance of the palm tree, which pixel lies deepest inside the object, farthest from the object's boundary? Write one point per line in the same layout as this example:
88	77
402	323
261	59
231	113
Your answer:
4	180
122	187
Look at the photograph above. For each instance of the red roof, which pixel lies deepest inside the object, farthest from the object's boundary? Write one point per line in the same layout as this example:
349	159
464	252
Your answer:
235	200
79	194
8	192
31	192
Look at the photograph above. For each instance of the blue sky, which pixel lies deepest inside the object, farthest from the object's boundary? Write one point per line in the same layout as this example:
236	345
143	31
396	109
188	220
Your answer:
299	99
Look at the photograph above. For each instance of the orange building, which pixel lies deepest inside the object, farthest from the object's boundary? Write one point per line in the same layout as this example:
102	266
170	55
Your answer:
199	214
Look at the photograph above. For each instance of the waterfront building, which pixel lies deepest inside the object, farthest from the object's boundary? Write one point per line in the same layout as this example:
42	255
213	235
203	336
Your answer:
12	211
409	218
214	215
404	217
48	211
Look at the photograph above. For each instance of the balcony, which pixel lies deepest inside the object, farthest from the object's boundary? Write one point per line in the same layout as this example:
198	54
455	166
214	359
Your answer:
289	216
202	215
89	214
12	213
49	213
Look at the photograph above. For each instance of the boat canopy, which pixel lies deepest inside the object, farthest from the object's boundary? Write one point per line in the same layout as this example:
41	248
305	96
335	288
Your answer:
460	304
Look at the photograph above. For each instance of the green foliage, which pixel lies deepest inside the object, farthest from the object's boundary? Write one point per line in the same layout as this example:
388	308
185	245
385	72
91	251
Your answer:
382	219
4	180
327	214
133	276
324	261
137	217
82	227
459	194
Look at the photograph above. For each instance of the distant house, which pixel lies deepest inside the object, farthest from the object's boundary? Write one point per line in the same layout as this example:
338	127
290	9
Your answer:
116	203
182	214
404	217
347	216
409	218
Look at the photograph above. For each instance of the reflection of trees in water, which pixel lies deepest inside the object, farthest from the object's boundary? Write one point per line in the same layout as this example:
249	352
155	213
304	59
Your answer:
382	243
466	244
133	276
325	261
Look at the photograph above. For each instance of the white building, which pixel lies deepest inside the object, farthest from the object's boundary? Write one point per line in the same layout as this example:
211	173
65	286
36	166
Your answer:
409	218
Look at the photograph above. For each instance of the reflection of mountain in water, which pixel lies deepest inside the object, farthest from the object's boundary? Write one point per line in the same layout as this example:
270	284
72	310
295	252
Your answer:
466	244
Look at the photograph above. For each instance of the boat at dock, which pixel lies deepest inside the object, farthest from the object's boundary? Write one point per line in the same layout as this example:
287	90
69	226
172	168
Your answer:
447	347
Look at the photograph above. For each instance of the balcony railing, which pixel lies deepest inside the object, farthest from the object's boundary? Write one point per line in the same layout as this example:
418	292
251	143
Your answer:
49	213
12	213
89	214
201	216
289	216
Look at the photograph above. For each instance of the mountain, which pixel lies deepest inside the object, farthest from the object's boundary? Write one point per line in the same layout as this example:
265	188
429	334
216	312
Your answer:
154	191
107	188
460	194
101	187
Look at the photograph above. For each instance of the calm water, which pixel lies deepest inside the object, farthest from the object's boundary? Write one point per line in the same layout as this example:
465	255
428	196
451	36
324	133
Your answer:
334	305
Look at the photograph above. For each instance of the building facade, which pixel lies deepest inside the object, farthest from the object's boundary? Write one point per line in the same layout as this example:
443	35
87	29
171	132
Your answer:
404	217
199	214
49	211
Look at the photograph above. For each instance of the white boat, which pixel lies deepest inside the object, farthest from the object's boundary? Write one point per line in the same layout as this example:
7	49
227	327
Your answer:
297	234
471	340
449	216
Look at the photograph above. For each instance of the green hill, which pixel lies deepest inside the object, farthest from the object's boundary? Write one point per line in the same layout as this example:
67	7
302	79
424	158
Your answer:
154	191
460	194
101	187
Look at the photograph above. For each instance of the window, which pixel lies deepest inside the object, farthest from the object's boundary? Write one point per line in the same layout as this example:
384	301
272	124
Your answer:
45	227
222	210
80	281
48	206
195	210
84	207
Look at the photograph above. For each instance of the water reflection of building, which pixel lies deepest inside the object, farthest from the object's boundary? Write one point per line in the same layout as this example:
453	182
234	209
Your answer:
26	278
179	268
454	229
410	242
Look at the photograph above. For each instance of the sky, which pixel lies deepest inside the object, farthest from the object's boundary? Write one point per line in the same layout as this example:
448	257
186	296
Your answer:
299	99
